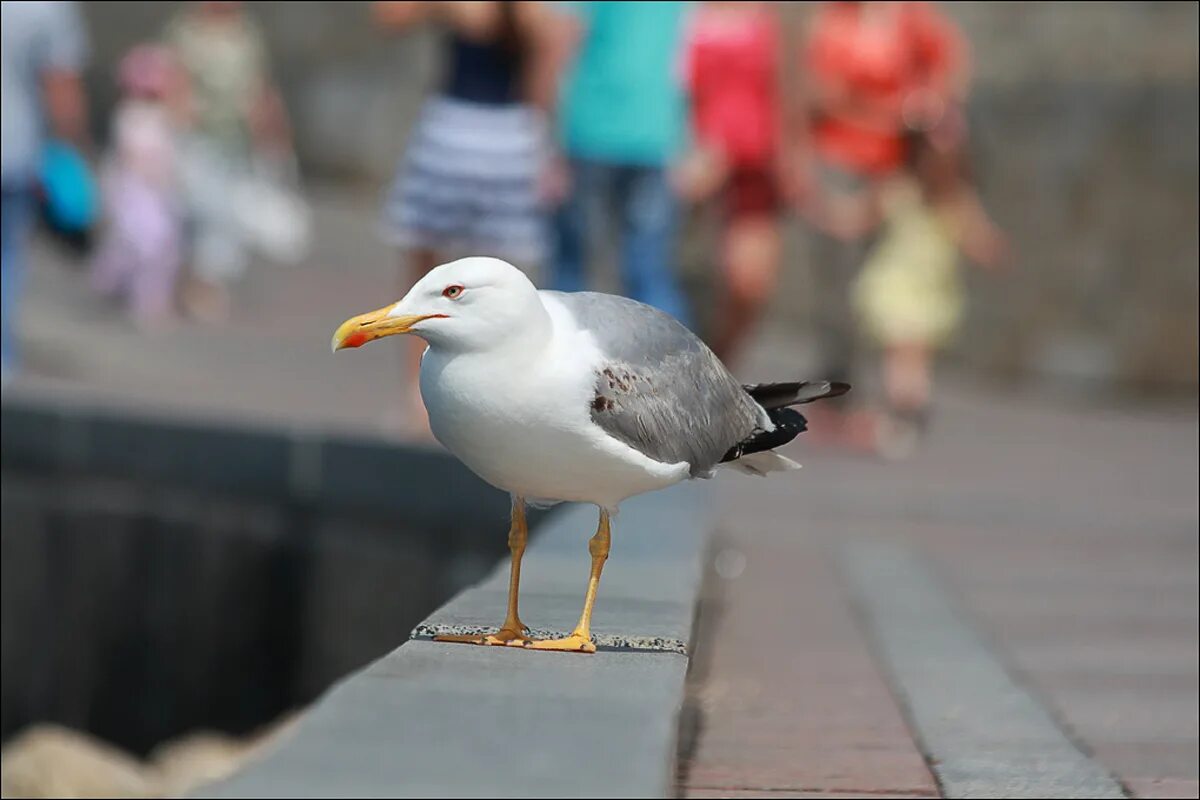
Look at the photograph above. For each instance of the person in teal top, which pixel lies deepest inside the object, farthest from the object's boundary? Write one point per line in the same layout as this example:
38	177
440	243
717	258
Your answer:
623	100
622	121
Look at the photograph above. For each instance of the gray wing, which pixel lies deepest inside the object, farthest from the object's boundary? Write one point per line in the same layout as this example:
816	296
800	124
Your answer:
660	390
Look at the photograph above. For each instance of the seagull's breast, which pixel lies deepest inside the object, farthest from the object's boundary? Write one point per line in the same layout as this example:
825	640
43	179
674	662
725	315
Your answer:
523	424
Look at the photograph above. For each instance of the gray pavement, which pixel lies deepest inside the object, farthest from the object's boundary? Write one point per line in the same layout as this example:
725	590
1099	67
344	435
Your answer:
988	735
1063	537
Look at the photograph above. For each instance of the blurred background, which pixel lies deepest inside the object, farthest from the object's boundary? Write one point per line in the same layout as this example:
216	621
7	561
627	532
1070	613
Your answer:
195	195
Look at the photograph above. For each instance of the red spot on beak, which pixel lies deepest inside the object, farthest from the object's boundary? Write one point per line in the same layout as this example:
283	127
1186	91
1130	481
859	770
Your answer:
355	340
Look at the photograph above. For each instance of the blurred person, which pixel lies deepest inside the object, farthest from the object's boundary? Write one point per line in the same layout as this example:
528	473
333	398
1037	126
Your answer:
867	67
43	46
238	134
909	298
471	182
140	253
731	60
622	124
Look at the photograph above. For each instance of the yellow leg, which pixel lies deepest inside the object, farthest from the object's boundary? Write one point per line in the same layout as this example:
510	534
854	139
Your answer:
512	632
580	640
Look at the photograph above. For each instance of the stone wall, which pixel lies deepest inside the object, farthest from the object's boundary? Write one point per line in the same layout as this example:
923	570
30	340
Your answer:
1086	116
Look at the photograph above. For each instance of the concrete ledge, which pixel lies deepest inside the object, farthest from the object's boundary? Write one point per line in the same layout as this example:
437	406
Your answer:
438	720
431	719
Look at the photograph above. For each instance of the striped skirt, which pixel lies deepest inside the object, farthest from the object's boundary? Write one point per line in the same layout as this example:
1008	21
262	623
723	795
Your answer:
468	183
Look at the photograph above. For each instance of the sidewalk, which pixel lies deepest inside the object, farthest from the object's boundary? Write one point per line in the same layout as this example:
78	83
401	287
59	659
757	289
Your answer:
1063	539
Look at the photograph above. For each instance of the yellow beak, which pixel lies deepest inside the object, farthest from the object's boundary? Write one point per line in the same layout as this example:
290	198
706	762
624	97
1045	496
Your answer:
357	331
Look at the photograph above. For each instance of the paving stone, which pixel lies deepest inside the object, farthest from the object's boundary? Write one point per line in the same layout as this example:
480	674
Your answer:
789	698
985	734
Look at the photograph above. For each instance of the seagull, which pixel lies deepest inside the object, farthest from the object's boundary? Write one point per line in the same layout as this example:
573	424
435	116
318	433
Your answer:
578	397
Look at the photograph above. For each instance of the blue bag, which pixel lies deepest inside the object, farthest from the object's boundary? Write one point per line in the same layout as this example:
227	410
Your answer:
70	197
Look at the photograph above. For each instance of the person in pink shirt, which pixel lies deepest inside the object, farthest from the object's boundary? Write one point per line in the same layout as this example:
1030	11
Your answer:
730	63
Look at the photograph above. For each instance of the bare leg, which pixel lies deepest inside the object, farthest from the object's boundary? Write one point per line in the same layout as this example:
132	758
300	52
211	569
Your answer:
580	640
206	300
751	265
908	376
512	632
908	384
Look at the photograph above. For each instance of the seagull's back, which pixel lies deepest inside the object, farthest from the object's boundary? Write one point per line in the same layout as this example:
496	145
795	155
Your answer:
657	387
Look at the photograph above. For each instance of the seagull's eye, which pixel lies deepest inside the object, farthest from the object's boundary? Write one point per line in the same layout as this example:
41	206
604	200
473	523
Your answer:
452	292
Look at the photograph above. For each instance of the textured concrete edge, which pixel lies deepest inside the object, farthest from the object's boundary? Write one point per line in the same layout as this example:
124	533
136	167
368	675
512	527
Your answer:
603	641
982	733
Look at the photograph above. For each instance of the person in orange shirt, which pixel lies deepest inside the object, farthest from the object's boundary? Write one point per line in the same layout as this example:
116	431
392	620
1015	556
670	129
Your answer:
871	70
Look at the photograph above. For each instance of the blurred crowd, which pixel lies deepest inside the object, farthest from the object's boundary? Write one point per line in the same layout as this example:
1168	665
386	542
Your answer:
553	128
197	175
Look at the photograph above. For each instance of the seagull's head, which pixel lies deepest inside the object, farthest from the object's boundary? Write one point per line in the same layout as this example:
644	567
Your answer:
472	304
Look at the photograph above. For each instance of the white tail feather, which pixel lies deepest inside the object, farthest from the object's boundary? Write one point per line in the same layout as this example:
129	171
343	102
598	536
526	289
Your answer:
762	463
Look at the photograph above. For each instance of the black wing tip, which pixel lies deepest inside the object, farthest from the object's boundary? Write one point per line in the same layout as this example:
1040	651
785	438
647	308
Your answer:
789	423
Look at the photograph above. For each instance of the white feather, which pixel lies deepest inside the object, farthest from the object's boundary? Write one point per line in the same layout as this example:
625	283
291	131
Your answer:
762	463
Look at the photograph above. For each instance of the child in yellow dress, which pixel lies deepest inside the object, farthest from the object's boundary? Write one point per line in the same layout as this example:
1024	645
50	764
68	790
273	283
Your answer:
909	297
